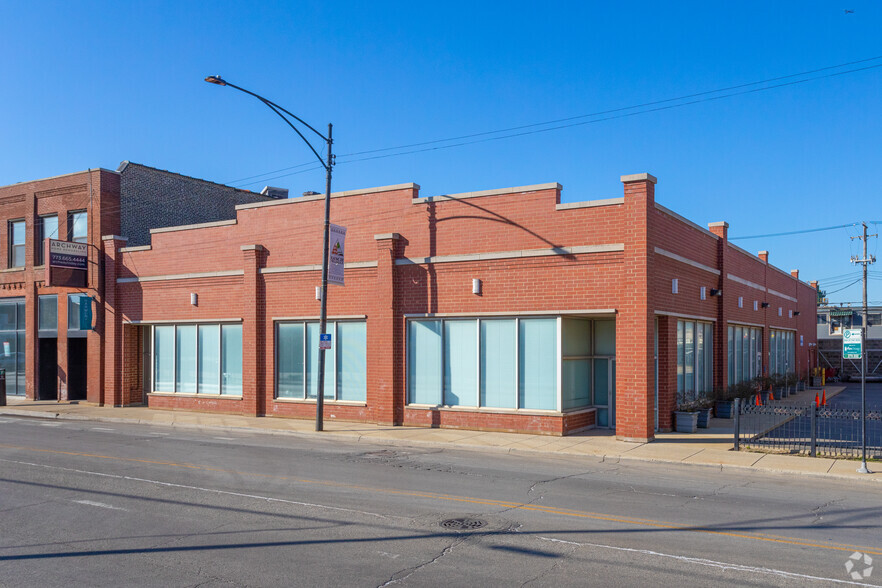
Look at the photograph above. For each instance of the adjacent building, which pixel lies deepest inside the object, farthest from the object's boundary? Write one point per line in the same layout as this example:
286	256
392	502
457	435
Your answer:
46	352
494	310
832	320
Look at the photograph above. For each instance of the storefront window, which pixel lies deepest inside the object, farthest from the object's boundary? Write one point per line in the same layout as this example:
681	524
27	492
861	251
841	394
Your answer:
12	345
297	351
508	363
197	359
695	360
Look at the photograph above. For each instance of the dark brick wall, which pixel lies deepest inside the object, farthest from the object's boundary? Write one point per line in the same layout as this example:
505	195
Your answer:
153	198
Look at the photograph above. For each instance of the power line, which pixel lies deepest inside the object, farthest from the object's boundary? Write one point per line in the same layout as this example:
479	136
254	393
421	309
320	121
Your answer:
794	232
705	95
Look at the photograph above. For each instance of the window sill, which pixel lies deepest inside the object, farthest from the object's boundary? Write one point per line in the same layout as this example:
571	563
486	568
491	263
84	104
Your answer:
12	269
326	402
190	395
512	411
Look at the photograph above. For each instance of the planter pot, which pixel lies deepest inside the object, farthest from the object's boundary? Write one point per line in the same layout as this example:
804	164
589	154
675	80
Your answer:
685	422
704	416
725	409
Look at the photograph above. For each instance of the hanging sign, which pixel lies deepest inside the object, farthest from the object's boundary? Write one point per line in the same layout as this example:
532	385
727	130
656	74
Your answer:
851	344
67	263
337	244
86	313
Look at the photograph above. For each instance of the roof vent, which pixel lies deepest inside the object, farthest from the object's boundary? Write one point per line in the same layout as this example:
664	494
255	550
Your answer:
277	193
310	193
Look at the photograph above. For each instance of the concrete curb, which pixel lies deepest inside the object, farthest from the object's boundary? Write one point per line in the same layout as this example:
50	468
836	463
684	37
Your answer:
602	456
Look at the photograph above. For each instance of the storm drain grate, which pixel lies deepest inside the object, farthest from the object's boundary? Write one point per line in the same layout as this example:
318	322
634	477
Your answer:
463	524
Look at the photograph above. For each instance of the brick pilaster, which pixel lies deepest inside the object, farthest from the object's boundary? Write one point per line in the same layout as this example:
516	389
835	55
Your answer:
112	323
385	393
635	323
253	332
721	330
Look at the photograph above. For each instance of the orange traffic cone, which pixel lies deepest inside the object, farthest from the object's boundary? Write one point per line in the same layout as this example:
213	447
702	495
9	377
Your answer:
771	394
817	400
759	402
824	398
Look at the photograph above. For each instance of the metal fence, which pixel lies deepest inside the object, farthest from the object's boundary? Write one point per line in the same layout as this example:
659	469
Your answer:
808	429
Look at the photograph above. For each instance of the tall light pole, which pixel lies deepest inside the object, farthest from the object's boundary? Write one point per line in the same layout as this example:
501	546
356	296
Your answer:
865	261
328	165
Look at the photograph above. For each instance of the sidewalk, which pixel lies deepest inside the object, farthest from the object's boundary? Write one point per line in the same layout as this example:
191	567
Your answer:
708	447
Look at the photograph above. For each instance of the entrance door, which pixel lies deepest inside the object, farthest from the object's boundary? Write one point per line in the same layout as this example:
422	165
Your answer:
48	368
605	391
76	368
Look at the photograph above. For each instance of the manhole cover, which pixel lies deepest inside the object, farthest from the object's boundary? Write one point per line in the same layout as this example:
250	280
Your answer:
463	524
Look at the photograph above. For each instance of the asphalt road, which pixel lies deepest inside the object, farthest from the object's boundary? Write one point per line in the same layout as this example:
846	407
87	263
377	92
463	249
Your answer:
91	504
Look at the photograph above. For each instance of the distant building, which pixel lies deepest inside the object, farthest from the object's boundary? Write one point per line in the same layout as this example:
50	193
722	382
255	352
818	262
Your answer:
832	320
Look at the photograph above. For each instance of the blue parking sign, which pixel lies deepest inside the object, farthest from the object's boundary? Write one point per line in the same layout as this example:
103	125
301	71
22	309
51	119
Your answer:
325	341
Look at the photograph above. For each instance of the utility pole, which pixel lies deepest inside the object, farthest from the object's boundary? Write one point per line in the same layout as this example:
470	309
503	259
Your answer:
865	261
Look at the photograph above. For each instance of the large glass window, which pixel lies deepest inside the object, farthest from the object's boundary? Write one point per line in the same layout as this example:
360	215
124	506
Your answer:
537	364
231	359
12	344
16	243
78	227
498	349
47	228
695	360
505	362
461	363
209	359
297	351
197	359
47	311
781	352
745	348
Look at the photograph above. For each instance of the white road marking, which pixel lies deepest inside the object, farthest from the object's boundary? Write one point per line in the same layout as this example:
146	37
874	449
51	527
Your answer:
208	490
50	425
98	504
226	438
5	420
709	562
102	429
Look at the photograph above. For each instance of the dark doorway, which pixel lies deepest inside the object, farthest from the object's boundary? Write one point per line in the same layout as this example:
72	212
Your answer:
76	369
48	368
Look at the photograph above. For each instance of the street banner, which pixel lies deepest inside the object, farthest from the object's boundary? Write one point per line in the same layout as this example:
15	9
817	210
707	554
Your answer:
337	244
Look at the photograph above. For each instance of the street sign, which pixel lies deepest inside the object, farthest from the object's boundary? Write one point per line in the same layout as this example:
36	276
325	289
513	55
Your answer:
325	341
851	344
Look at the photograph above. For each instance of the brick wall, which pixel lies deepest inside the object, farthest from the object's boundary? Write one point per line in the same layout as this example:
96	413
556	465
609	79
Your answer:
153	198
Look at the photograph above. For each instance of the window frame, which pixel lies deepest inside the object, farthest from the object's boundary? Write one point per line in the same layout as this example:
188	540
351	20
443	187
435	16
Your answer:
197	361
40	237
71	223
332	327
12	246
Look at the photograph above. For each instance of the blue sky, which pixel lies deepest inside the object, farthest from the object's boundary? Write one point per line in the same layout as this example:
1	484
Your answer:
89	84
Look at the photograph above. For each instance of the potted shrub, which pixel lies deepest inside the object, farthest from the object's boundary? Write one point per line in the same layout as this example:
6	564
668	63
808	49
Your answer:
725	401
686	415
705	407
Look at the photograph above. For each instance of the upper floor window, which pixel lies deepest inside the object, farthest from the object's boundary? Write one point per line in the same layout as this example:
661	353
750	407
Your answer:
47	228
16	243
78	227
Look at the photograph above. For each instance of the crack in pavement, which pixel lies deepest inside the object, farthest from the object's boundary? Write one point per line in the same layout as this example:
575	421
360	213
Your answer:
560	561
549	481
408	572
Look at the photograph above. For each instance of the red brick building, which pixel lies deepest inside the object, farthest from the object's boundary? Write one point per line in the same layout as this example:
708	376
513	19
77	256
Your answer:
44	350
496	310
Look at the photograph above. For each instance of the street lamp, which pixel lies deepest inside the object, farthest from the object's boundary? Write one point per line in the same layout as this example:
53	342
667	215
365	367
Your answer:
328	164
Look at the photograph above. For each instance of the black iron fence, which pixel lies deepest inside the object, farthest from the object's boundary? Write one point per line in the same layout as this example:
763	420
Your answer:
833	431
